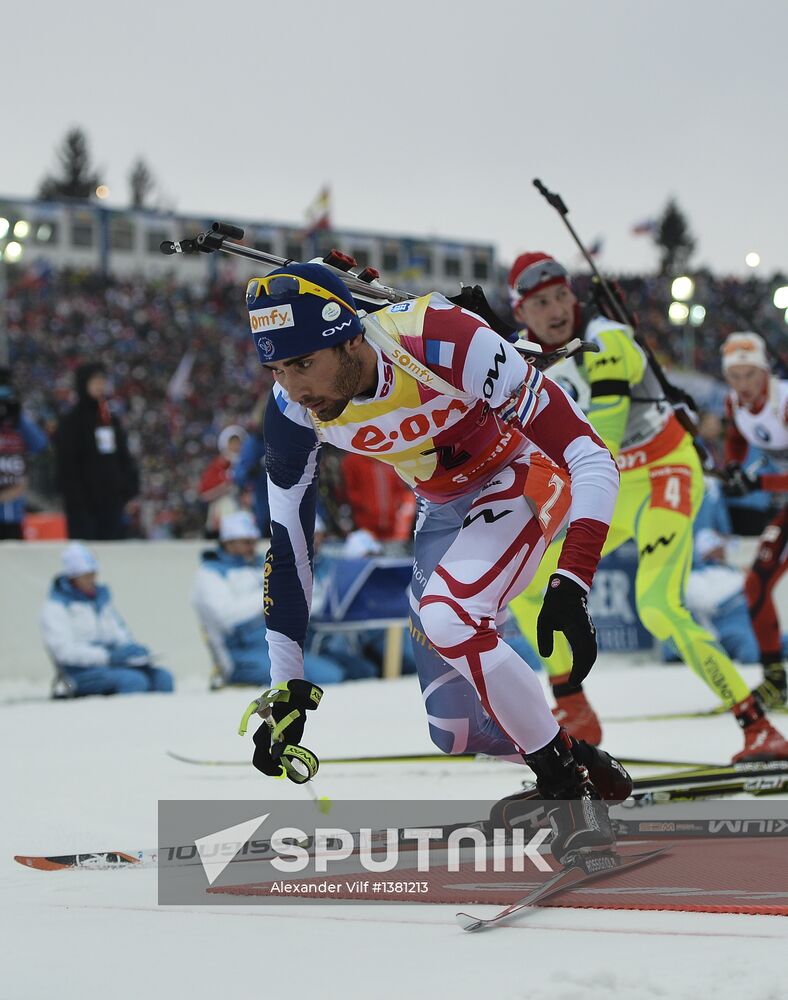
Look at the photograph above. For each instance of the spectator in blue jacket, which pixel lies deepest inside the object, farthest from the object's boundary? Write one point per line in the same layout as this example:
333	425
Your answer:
228	599
91	646
19	437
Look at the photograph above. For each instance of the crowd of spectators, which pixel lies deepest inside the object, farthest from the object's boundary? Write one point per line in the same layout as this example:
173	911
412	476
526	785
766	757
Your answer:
140	331
730	303
182	369
185	390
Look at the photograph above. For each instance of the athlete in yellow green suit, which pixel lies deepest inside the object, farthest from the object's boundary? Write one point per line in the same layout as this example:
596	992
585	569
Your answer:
661	492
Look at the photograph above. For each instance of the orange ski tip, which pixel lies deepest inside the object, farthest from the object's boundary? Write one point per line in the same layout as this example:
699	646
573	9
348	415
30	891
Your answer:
41	864
110	859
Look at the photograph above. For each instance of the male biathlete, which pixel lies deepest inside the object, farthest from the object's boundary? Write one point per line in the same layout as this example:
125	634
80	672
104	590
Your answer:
502	461
660	495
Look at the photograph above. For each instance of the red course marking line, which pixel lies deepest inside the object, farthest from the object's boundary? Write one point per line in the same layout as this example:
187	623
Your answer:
450	923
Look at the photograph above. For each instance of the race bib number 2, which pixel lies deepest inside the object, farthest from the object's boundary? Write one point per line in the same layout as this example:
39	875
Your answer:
547	487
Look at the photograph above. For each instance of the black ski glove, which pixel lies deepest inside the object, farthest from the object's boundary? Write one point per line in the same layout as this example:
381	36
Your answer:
565	609
278	751
738	483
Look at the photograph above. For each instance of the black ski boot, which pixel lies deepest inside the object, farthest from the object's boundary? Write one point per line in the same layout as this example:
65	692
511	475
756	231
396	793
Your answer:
575	809
608	776
526	809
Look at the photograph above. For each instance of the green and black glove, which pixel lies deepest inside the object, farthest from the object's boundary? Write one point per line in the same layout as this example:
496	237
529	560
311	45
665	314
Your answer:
278	751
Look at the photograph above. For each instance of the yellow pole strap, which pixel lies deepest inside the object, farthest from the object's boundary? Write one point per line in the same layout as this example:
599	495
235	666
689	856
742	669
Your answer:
310	764
266	699
278	729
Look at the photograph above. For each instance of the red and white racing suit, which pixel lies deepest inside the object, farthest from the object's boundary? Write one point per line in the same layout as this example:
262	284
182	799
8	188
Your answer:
765	427
492	495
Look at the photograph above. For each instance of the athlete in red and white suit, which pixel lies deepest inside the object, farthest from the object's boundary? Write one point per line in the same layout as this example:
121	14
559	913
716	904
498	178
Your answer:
492	493
757	411
501	460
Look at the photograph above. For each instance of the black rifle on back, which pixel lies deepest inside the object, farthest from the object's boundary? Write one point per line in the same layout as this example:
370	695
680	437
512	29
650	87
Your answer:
366	285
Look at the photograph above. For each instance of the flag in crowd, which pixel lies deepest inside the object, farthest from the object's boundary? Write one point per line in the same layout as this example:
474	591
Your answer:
645	228
596	247
318	215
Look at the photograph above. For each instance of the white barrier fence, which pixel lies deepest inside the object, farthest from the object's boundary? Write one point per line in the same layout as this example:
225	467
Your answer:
151	584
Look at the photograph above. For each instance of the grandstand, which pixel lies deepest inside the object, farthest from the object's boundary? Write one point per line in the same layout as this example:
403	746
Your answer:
125	242
88	282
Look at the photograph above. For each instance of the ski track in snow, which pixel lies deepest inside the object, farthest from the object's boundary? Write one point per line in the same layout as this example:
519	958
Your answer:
87	775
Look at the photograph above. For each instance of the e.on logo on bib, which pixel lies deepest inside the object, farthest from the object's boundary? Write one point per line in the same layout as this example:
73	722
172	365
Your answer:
413	427
272	318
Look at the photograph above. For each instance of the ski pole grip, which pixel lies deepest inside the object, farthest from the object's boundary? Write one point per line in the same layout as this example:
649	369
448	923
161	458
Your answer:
554	199
253	708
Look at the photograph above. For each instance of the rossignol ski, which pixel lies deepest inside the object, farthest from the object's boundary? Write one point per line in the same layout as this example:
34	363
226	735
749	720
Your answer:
754	779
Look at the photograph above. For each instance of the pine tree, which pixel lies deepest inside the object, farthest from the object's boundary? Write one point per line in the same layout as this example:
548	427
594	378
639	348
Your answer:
142	183
77	178
674	240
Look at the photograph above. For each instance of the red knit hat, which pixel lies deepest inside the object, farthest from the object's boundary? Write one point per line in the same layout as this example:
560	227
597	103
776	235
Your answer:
532	272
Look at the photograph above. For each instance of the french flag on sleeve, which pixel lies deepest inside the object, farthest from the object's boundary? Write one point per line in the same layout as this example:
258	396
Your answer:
439	352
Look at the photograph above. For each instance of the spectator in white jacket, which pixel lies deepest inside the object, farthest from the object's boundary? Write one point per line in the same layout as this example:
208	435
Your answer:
91	646
228	599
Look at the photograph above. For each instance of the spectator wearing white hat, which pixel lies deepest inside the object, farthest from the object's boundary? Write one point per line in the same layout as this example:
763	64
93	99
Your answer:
91	646
228	599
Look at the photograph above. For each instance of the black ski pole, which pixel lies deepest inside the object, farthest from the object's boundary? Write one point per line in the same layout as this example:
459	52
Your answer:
619	308
683	406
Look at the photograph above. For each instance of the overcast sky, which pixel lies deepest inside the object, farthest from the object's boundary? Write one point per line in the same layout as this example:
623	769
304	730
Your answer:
424	117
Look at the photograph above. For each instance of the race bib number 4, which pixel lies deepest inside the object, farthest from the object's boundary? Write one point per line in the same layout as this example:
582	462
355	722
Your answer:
671	488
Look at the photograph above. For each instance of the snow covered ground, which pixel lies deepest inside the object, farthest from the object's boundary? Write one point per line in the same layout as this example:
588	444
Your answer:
87	775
